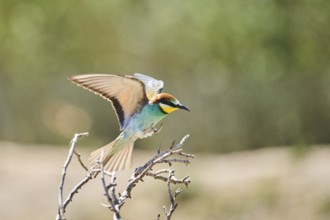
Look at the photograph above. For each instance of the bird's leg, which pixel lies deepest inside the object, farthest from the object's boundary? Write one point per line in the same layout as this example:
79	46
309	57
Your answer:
151	131
157	130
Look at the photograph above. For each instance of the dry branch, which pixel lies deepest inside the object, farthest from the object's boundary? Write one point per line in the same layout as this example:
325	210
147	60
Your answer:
172	196
62	206
116	201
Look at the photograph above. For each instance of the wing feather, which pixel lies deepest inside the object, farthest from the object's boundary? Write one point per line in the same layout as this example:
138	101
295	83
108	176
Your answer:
127	94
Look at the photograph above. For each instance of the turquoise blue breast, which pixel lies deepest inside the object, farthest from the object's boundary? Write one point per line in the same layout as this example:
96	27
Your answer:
144	120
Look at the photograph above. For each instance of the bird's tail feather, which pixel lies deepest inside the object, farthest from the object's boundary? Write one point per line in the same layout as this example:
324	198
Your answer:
117	155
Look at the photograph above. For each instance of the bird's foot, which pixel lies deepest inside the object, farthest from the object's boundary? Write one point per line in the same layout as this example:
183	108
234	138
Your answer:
157	130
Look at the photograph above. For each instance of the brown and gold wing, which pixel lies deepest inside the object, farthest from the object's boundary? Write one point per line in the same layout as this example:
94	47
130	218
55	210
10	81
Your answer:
126	93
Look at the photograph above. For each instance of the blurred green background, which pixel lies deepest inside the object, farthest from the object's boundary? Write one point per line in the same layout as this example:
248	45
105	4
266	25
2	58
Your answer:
254	73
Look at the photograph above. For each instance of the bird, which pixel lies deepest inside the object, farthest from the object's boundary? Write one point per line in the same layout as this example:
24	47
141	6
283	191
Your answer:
140	106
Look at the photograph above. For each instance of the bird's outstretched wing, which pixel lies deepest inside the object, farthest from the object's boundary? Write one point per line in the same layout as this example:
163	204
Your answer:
127	94
152	86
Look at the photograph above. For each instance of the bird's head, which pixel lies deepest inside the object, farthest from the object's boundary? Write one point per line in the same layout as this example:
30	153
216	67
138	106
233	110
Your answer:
167	103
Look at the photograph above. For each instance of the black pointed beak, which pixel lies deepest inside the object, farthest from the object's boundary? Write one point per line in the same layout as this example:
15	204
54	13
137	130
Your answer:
184	108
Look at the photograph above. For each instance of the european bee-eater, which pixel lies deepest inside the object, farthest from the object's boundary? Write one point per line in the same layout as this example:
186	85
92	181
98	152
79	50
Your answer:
139	106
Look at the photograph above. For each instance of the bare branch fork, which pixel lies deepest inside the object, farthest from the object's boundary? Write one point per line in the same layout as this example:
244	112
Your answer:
62	205
115	202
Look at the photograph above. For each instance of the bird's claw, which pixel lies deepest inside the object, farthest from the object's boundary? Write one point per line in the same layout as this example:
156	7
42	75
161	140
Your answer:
157	130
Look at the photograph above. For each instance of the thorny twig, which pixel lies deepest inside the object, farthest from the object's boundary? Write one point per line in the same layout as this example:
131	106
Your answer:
80	161
117	201
174	204
62	206
140	172
75	189
173	179
111	197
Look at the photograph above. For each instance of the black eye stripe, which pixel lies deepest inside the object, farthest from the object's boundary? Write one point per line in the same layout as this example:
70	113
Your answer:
168	102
